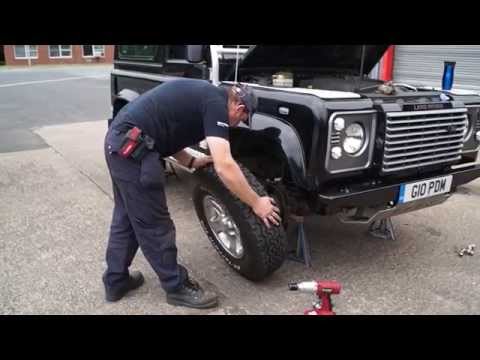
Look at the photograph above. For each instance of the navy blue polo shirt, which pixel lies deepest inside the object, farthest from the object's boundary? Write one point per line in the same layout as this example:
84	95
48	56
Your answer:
179	114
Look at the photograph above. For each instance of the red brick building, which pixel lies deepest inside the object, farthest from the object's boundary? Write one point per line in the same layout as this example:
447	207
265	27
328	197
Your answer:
57	54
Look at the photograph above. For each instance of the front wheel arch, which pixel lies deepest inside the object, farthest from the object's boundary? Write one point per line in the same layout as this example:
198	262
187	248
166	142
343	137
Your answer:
123	98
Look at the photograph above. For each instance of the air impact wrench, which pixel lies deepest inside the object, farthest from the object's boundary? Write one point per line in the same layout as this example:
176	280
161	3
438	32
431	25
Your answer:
324	290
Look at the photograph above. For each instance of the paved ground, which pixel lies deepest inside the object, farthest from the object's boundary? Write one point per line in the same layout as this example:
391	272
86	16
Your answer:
56	208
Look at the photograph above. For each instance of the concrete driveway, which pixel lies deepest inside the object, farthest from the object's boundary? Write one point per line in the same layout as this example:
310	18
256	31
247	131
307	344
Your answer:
57	204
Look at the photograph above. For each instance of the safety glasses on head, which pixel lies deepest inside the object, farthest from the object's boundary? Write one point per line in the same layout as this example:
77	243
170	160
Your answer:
247	98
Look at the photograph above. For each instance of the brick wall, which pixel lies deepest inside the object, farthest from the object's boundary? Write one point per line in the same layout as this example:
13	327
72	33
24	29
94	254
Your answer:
43	58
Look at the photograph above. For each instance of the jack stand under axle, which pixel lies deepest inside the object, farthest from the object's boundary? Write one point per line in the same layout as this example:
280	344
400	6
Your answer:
382	229
302	252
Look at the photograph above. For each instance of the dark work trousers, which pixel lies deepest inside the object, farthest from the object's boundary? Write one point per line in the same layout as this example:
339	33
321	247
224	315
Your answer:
140	218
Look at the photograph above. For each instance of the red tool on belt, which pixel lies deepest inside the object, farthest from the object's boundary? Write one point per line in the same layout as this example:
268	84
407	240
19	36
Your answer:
132	140
323	289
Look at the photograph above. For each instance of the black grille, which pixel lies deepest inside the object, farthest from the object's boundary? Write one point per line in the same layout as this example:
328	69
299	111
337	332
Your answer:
422	138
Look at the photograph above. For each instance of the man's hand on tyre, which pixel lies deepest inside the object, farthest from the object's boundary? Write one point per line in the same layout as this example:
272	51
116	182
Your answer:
266	210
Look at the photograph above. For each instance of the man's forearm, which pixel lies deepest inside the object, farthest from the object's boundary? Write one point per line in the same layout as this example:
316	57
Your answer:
233	178
183	157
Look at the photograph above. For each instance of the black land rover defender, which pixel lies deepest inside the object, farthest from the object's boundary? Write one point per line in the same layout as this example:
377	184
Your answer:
325	140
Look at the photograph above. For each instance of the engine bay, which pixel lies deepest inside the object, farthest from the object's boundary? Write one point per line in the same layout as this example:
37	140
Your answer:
309	80
334	81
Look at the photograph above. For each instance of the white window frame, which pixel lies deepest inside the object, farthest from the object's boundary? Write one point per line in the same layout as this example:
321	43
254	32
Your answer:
94	54
220	51
60	52
29	53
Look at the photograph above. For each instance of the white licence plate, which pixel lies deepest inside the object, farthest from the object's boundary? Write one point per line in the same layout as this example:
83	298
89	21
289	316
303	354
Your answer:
424	189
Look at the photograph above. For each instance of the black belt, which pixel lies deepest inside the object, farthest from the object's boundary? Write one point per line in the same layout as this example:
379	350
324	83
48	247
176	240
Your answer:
136	144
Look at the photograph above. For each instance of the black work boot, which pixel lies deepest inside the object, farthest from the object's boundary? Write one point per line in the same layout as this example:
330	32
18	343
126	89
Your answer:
192	295
113	294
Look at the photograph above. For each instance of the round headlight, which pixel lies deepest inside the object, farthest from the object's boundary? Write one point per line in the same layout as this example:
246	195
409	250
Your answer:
354	139
339	124
477	135
468	132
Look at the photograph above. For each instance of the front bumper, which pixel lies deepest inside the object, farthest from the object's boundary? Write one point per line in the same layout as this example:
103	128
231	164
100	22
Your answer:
333	201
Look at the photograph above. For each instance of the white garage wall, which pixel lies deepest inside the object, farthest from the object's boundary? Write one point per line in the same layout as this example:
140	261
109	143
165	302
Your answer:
423	64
